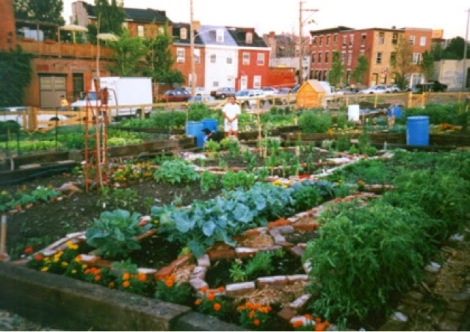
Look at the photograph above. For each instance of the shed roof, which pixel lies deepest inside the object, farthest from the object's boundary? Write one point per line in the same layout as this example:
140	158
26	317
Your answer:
315	84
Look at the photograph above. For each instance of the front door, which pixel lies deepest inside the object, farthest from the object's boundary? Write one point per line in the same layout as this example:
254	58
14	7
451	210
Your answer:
244	82
51	87
78	85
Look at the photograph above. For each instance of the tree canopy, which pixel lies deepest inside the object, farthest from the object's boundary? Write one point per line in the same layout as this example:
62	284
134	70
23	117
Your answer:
15	76
49	11
359	72
403	66
336	73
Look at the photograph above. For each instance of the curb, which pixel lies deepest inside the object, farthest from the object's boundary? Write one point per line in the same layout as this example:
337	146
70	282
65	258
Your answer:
65	303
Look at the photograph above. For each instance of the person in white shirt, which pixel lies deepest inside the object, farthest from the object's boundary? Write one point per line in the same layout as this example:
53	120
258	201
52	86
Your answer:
231	112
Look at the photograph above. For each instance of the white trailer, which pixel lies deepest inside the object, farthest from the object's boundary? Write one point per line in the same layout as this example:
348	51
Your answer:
132	95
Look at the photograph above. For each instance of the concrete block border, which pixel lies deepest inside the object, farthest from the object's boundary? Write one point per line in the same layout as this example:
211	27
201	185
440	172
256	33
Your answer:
64	303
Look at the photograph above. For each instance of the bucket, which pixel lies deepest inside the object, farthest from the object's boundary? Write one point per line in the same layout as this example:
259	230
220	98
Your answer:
194	128
417	130
210	124
353	112
396	111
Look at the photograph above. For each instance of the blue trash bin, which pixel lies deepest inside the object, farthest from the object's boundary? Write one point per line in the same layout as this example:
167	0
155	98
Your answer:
210	124
396	111
194	128
417	130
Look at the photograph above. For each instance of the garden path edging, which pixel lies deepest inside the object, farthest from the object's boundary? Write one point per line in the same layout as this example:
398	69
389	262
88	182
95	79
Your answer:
66	303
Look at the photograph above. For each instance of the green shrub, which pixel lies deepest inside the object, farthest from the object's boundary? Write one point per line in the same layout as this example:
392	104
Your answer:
208	181
198	112
176	171
241	179
306	198
312	122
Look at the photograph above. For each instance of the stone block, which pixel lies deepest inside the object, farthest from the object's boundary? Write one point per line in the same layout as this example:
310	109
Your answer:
89	259
272	282
204	261
197	283
297	251
242	252
297	277
299	302
305	227
232	290
286	229
164	272
199	272
221	254
182	260
287	314
285	244
148	233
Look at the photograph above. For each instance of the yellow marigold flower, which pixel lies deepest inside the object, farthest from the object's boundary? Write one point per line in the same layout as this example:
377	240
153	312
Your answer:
74	271
65	263
84	266
47	259
45	269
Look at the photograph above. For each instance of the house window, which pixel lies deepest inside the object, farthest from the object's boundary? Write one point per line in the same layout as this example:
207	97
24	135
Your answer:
363	40
140	30
328	40
343	56
344	40
229	60
313	57
321	41
362	52
246	58
161	30
183	33
335	39
381	38
349	58
249	38
422	41
260	60
416	58
197	56
180	55
219	36
395	38
378	58
314	41
327	57
125	25
351	40
257	82
412	40
393	58
319	57
213	58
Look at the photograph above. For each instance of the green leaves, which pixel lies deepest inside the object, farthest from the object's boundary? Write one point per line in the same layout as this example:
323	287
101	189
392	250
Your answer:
176	171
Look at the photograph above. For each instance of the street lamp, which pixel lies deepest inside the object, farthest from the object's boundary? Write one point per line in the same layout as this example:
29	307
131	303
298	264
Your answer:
301	23
464	60
191	36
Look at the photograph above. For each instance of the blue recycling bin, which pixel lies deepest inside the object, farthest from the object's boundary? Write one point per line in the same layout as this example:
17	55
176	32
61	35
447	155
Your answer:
210	124
417	130
194	128
396	111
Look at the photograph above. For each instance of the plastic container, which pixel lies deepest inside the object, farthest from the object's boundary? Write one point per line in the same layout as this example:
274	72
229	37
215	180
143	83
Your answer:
210	124
194	128
417	130
396	111
353	112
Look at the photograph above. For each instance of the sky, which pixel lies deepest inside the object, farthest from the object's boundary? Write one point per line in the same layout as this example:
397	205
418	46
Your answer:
283	15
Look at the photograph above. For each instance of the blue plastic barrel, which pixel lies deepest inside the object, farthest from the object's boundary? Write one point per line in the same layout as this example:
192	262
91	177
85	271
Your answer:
210	124
417	130
396	111
194	128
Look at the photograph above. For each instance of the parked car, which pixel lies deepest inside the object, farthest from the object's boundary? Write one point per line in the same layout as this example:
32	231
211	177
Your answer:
176	95
17	111
433	86
198	90
223	93
345	91
283	91
295	88
248	98
375	89
393	88
269	91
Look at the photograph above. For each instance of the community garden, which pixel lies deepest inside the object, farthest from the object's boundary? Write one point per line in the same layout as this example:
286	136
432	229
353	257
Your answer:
306	223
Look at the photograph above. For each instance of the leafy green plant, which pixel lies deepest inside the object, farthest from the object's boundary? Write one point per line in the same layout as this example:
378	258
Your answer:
231	180
306	198
169	290
125	198
44	194
113	234
208	181
176	171
311	122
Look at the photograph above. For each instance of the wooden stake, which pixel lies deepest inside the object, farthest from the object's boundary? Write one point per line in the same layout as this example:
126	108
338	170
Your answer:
3	235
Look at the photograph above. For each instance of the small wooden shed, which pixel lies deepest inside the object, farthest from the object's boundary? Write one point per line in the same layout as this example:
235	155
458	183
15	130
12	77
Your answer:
311	95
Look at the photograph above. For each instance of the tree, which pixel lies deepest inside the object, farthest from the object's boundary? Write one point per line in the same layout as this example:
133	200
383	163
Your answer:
427	65
15	76
359	72
109	19
160	59
48	11
129	50
402	66
454	50
336	73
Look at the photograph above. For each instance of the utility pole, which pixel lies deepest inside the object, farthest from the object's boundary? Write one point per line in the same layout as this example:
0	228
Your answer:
464	59
191	49
301	23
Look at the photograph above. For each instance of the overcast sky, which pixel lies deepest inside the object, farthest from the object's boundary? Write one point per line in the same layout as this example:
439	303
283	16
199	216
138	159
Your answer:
283	15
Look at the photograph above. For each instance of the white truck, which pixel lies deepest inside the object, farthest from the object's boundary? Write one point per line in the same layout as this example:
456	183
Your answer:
132	95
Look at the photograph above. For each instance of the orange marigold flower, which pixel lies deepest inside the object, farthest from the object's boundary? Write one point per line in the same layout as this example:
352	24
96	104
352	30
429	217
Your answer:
169	283
97	278
126	284
297	323
327	323
28	250
126	276
256	322
204	289
220	289
210	297
217	306
252	314
320	327
198	302
38	257
308	316
318	320
256	306
142	277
